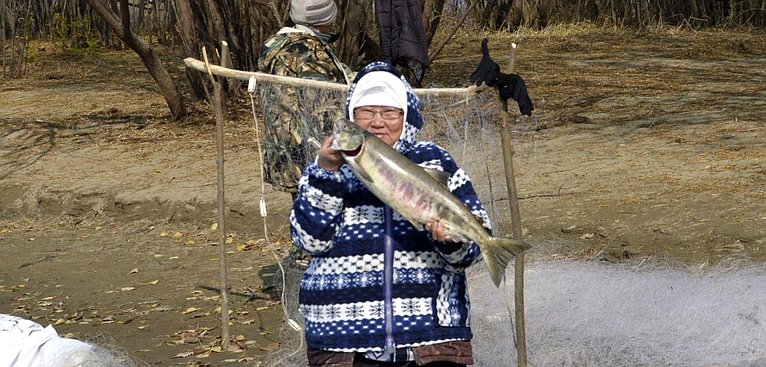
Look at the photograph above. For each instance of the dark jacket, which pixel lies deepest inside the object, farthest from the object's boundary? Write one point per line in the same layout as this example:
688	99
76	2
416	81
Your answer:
342	225
402	36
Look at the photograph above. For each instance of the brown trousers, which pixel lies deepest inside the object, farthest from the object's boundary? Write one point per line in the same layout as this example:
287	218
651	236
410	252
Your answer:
449	354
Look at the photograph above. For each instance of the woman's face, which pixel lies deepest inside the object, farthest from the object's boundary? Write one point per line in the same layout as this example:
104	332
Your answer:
382	121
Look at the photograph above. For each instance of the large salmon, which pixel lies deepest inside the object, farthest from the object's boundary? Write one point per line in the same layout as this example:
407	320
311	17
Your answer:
419	195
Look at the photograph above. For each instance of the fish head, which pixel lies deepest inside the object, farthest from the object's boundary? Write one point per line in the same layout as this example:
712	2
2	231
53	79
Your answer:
348	137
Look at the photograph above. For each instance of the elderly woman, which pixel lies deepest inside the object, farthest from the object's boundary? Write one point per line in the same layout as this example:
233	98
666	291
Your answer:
360	310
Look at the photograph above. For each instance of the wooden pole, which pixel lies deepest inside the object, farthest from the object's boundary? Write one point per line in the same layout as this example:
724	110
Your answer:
298	82
510	182
217	101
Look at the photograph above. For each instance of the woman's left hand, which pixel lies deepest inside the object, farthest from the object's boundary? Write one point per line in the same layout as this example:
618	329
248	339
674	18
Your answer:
438	232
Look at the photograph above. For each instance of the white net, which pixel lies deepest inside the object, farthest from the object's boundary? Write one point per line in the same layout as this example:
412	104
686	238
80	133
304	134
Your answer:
600	314
467	125
577	313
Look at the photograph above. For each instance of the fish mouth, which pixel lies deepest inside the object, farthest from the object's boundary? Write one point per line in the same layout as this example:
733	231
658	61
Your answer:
353	153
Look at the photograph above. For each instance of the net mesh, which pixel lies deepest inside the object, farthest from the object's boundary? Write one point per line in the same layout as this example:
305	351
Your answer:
466	125
578	314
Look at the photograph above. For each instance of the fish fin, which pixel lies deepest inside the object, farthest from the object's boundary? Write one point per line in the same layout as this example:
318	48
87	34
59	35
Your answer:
440	176
498	252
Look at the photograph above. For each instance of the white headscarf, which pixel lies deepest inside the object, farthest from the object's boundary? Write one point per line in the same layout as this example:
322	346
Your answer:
379	88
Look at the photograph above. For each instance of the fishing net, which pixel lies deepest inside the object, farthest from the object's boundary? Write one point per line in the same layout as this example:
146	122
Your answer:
601	314
577	313
467	125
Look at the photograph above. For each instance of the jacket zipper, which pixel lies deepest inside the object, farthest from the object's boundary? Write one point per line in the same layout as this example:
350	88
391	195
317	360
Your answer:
388	280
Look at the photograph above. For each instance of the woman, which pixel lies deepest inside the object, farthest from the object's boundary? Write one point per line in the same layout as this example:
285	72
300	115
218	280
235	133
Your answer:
362	306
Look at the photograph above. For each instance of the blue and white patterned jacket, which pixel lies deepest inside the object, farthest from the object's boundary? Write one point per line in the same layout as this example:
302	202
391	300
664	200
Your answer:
343	291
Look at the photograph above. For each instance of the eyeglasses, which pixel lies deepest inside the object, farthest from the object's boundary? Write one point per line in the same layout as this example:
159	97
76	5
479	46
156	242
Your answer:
365	114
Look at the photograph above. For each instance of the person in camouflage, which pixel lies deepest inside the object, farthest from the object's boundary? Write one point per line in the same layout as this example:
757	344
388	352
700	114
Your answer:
302	51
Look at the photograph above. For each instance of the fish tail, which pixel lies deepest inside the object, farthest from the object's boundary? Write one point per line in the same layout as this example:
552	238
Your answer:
498	252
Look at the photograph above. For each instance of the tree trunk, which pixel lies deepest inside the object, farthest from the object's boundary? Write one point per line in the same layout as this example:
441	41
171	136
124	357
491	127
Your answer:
2	33
515	15
542	14
121	26
487	11
695	10
214	26
432	14
352	36
188	34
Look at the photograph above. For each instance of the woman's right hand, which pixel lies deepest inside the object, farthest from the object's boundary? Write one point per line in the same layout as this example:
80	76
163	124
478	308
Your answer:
329	158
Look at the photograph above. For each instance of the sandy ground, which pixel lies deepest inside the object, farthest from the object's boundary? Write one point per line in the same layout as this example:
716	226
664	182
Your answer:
645	148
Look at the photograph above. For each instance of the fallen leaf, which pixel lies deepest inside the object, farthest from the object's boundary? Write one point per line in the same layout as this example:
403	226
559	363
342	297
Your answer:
189	310
163	234
178	234
184	354
189	242
189	337
229	240
234	347
269	347
98	228
214	227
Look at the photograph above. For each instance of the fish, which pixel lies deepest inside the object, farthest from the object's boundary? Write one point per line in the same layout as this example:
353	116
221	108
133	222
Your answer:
419	195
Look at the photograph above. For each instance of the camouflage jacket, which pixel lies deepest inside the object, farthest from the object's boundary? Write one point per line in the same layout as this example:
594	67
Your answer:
298	52
290	116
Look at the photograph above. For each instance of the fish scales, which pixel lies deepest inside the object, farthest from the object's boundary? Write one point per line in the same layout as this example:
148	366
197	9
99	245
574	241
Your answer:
412	191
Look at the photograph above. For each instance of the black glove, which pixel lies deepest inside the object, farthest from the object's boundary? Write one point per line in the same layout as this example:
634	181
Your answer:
508	85
511	85
488	71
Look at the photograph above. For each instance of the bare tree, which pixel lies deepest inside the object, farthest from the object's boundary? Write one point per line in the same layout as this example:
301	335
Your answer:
120	24
432	15
186	27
